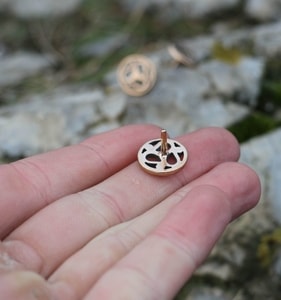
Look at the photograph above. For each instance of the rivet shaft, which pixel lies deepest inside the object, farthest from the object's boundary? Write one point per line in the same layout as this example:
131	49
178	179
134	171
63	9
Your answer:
164	145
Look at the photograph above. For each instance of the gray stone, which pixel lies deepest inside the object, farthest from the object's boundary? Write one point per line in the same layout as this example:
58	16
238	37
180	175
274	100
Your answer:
103	127
201	8
3	3
235	254
207	293
200	48
113	105
264	41
165	115
24	134
267	41
277	265
277	114
54	119
263	10
42	8
19	66
103	47
275	186
180	103
173	9
240	80
262	154
3	50
187	99
259	151
221	271
215	112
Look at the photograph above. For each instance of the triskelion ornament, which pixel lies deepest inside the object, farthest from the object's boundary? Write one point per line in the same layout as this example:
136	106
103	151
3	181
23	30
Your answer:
162	156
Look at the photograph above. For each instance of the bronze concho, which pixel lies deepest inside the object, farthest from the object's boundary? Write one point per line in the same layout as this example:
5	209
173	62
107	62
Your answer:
136	75
162	156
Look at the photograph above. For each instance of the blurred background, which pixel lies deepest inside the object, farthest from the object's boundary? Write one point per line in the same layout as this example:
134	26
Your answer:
58	85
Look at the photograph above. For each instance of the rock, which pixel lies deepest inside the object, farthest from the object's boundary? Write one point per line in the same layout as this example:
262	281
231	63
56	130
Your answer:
184	99
262	154
215	112
3	50
201	8
267	40
241	80
42	8
263	41
207	293
221	271
185	115
258	152
3	3
200	48
103	47
168	10
103	127
275	186
165	98
263	10
24	134
19	66
113	106
171	10
54	119
277	265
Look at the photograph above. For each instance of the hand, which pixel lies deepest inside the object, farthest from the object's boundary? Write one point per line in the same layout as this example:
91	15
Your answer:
86	222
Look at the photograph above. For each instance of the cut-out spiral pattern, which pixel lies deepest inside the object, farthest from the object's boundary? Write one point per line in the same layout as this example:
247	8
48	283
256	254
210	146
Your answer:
154	162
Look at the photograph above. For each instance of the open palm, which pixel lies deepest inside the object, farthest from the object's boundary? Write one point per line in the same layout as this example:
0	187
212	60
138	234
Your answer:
86	222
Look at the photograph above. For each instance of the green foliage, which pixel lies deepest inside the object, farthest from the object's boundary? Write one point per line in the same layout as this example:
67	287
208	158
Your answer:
267	247
228	55
275	89
253	125
270	96
14	33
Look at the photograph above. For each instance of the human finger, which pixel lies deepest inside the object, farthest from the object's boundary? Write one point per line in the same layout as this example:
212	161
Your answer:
30	184
65	226
158	266
96	254
241	186
24	285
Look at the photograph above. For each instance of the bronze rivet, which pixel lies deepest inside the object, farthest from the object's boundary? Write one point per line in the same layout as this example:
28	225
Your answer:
162	156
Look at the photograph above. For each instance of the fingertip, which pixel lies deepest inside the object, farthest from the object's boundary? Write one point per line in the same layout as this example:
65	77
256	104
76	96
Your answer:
133	128
209	147
242	184
136	133
254	189
226	137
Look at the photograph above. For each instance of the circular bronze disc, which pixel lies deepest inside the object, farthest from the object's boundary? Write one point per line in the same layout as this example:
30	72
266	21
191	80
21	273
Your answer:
136	75
151	160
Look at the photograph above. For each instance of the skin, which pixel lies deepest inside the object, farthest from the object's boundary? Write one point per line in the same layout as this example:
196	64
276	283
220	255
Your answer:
86	222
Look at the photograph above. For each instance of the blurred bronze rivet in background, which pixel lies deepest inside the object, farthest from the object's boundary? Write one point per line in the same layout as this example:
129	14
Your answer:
136	75
178	54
